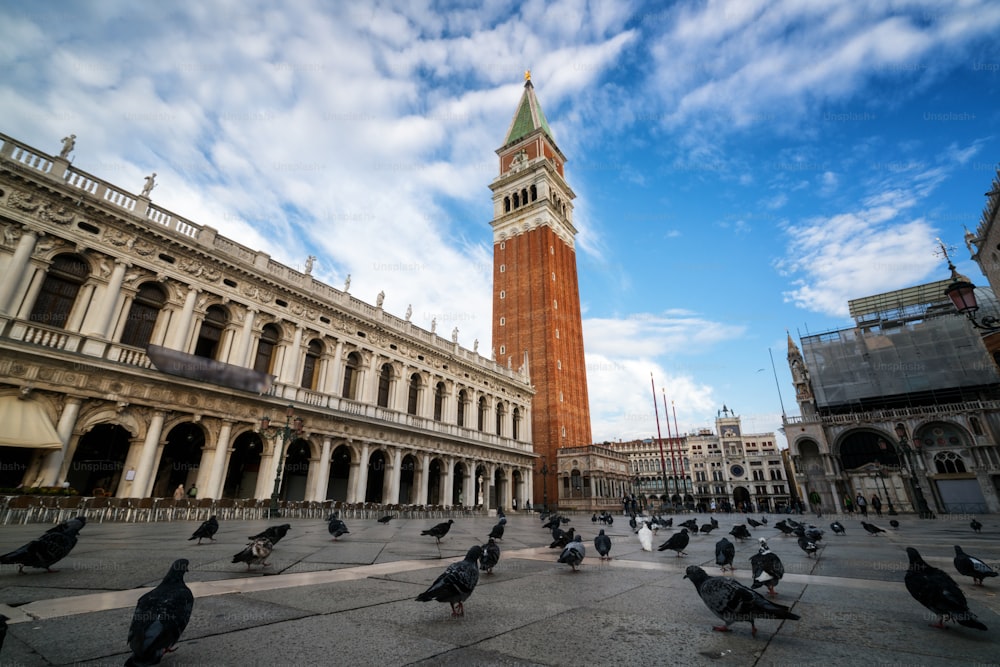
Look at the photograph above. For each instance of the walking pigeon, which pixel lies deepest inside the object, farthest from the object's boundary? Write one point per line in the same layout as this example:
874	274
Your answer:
603	545
872	528
724	554
970	566
975	525
646	537
838	528
754	523
934	589
785	527
501	518
490	557
563	539
677	542
255	553
273	534
44	552
207	529
767	568
386	519
497	532
708	528
733	602
439	531
336	527
894	523
457	582
574	552
740	532
807	545
77	522
160	617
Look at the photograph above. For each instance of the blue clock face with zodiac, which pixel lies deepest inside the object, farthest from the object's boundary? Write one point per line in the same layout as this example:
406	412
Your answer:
736	471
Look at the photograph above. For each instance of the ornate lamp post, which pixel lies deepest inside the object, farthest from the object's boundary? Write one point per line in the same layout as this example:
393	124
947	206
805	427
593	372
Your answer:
287	433
918	493
885	491
544	472
962	293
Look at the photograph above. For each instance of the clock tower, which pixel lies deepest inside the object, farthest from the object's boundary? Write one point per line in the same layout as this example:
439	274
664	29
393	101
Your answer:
536	299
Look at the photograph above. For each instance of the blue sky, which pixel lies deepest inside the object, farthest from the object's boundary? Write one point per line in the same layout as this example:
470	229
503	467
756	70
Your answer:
741	168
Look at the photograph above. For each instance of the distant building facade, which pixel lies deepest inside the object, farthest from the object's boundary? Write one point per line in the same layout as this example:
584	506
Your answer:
592	478
648	459
94	279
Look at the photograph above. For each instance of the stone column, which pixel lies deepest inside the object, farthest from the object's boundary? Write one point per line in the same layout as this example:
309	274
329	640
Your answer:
34	286
83	303
182	327
147	456
57	461
529	485
361	486
16	268
425	466
447	492
246	338
393	474
292	355
323	466
469	485
337	370
216	480
101	319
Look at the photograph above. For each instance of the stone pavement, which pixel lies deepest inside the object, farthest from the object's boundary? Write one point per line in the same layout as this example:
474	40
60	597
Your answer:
351	602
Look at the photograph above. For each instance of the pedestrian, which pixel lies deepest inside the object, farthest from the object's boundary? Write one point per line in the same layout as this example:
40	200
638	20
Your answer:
515	504
862	505
712	505
848	505
193	492
179	492
877	504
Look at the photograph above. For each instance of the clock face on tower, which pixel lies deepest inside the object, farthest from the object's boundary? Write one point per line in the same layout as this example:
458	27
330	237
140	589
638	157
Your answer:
736	471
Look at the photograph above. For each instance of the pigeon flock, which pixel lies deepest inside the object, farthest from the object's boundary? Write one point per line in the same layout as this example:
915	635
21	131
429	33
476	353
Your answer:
162	614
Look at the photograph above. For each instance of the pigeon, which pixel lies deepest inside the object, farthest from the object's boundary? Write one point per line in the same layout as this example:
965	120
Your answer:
646	538
386	519
273	534
77	522
255	553
754	523
439	531
691	525
490	556
708	528
574	552
763	519
767	568
724	554
160	617
894	523
336	527
807	545
501	518
711	520
785	527
552	523
564	539
732	601
677	542
934	589
633	524
206	529
603	545
872	528
457	582
970	566
44	552
3	628
669	523
975	525
838	528
740	532
497	532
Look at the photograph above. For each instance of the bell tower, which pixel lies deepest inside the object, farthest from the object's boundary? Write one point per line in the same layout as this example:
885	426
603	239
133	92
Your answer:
536	298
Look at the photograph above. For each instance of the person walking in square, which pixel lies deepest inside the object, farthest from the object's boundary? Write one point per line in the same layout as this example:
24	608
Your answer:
848	505
877	504
862	505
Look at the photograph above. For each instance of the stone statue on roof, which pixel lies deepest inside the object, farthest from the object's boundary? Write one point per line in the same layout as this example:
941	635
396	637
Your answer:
69	143
150	184
379	299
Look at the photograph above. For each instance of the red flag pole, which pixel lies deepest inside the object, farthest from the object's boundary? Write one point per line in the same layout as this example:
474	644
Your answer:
678	429
659	436
670	441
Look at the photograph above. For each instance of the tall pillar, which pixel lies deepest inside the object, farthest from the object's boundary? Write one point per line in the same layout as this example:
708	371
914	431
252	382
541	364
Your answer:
213	489
323	466
337	370
182	328
57	461
100	322
80	308
292	355
394	462
242	357
447	492
469	485
361	487
147	456
16	268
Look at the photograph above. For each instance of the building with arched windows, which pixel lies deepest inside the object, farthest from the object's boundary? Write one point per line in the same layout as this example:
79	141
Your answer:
142	349
904	406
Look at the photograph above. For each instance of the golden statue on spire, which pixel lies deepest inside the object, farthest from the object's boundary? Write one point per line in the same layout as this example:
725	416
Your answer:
527	75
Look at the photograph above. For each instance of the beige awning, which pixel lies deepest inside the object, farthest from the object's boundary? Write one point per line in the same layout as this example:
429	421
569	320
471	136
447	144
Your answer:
25	424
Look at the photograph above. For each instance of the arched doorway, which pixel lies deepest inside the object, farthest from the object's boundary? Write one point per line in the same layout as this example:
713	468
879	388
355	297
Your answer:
407	496
479	492
434	483
244	467
458	484
517	487
99	459
861	447
376	477
179	461
340	473
741	499
293	486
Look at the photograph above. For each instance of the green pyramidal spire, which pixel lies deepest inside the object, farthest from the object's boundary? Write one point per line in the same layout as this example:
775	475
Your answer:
529	116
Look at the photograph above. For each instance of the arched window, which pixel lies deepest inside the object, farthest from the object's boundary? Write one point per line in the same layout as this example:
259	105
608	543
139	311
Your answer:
949	462
481	413
210	333
411	403
313	354
384	382
506	204
516	425
977	426
500	416
534	193
268	343
350	388
438	400
142	314
59	290
463	398
517	200
524	196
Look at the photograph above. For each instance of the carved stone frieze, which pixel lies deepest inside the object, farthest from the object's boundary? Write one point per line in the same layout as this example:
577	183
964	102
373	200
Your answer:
143	247
24	201
59	214
117	237
11	234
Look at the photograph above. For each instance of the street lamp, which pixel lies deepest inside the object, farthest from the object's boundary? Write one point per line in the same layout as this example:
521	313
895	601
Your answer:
544	472
287	433
962	293
918	493
885	491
